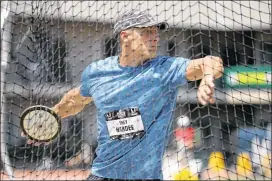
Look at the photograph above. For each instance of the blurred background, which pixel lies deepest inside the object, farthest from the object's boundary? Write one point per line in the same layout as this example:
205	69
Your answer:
45	45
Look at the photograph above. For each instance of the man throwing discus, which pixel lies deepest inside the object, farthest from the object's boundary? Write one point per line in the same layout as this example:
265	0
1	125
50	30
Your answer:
135	96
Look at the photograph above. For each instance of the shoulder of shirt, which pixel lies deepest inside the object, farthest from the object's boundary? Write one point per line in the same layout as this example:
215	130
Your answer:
97	67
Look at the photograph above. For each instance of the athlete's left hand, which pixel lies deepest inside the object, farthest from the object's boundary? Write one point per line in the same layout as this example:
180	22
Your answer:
205	91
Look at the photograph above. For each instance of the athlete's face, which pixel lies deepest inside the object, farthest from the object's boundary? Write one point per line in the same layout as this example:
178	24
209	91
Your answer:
143	42
146	41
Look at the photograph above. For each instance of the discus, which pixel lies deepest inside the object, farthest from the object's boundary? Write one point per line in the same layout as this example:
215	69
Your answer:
40	123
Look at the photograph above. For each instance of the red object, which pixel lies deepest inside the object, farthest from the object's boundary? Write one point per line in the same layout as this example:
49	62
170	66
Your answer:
185	135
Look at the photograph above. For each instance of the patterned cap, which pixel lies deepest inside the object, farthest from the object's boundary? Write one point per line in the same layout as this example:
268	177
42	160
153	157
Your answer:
136	18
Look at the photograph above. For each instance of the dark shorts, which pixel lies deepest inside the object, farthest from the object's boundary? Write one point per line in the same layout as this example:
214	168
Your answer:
93	177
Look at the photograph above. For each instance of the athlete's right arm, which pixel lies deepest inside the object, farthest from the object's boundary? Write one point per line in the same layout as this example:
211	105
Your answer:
71	103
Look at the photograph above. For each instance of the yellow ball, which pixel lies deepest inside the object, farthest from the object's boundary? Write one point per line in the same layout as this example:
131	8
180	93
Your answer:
216	161
185	174
244	165
266	165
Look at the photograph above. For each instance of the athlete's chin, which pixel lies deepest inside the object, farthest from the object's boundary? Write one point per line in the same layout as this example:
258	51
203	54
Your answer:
152	54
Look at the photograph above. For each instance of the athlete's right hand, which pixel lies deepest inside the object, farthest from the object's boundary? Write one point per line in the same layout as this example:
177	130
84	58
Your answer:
29	141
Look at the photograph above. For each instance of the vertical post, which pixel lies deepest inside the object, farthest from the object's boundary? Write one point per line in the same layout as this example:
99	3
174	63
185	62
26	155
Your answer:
5	58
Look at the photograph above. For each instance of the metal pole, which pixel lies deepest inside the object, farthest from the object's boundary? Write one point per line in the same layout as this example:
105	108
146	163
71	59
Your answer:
5	58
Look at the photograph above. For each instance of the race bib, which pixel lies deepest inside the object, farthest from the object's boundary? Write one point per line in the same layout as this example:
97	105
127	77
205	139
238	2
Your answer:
125	123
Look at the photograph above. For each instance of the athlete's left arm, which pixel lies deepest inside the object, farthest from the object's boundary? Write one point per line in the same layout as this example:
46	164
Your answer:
209	65
207	69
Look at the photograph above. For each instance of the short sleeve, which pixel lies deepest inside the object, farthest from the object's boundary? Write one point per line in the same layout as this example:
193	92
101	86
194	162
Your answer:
85	82
176	70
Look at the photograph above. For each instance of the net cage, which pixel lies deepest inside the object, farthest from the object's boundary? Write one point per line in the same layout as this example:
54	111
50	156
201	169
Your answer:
45	46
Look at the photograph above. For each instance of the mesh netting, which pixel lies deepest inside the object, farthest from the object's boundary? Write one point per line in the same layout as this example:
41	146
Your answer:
45	46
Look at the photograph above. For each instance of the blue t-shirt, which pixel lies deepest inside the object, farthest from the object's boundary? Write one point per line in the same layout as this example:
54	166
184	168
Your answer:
152	88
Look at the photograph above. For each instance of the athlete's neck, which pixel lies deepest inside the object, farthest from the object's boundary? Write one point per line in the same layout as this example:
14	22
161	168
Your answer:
130	60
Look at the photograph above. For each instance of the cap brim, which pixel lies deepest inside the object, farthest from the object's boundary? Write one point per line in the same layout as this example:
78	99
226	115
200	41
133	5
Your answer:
161	25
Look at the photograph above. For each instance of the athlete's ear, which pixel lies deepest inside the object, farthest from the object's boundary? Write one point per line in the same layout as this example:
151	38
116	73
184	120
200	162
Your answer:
124	36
